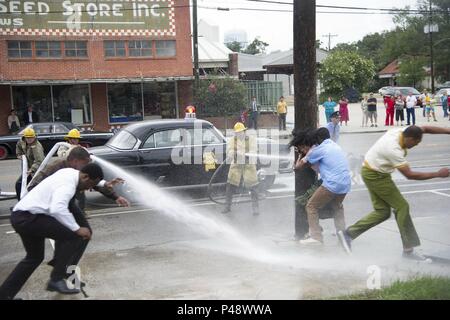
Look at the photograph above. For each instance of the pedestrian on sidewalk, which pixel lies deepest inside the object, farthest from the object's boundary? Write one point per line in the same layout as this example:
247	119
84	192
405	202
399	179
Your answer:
44	213
335	173
343	110
399	107
444	102
334	127
372	110
431	110
329	106
390	109
282	112
426	100
13	122
386	155
411	102
254	113
365	115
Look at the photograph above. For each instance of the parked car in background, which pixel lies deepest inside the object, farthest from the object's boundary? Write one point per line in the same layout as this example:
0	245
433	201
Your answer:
404	91
383	91
446	84
439	95
49	133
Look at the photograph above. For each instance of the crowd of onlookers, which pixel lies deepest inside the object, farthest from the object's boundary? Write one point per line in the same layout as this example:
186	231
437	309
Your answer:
399	109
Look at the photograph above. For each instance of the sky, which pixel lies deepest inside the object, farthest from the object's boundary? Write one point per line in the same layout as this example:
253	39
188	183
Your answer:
275	28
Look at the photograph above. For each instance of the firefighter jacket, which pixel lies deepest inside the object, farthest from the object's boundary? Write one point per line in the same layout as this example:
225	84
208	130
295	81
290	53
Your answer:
34	153
241	153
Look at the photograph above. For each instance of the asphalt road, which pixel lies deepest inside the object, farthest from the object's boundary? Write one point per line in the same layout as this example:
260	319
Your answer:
141	253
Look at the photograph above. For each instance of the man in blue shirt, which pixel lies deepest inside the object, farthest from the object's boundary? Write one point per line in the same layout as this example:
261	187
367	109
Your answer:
333	126
335	173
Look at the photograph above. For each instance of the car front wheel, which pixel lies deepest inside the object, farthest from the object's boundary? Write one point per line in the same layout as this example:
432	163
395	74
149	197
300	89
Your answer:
3	153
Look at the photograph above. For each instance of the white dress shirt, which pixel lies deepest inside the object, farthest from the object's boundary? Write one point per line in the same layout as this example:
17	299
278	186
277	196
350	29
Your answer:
52	197
30	117
411	102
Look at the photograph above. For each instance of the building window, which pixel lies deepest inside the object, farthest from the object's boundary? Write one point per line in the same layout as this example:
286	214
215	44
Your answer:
71	103
39	97
114	48
159	100
19	49
75	48
124	102
166	48
48	49
140	48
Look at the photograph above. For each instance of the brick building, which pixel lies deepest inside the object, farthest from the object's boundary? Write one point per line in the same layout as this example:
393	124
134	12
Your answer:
97	64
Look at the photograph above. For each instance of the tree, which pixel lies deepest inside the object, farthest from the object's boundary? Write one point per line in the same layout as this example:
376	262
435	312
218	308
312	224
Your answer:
344	69
235	46
256	47
220	97
411	71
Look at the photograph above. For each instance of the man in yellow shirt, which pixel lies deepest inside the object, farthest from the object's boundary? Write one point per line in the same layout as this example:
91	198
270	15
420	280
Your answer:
282	111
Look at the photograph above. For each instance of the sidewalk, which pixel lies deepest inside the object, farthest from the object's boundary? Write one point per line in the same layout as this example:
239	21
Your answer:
355	115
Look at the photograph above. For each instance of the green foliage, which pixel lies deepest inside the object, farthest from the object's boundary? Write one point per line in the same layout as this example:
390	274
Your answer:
423	288
256	47
234	46
345	69
220	97
411	71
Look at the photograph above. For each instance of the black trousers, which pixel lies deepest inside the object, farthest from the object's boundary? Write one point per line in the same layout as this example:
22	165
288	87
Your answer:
19	185
254	119
33	229
399	115
282	121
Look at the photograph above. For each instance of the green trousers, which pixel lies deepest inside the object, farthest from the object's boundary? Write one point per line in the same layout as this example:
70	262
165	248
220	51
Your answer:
385	195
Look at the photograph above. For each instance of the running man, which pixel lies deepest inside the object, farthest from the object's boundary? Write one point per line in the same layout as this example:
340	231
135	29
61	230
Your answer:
386	155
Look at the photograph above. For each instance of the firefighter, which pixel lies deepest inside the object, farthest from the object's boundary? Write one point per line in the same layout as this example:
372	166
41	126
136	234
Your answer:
72	137
243	166
29	146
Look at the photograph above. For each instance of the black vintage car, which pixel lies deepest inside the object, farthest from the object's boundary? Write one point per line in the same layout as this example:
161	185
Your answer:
49	133
173	154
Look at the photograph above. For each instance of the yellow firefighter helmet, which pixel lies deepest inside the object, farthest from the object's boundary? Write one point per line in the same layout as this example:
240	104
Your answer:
239	127
73	134
29	133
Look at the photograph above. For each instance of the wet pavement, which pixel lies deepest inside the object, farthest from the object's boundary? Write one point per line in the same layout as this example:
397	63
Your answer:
138	253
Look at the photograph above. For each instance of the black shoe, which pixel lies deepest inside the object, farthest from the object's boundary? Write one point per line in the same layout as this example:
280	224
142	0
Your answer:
61	287
51	263
226	210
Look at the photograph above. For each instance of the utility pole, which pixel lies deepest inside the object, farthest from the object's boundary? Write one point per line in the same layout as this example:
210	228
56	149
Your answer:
431	49
195	43
305	94
329	36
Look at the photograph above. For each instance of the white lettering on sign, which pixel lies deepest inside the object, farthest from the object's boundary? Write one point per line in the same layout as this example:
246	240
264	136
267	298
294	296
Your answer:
27	7
93	9
141	9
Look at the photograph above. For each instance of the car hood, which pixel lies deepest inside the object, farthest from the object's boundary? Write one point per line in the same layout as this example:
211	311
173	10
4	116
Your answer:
100	151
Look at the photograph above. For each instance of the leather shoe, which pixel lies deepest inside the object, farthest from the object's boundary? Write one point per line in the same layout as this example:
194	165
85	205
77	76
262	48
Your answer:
61	287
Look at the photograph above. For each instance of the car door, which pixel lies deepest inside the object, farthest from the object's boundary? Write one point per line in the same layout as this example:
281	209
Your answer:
160	157
207	149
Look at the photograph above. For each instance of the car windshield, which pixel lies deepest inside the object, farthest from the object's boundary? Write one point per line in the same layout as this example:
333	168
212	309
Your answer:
51	127
406	91
123	140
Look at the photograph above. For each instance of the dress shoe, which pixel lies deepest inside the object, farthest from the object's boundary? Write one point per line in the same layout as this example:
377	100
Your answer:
61	287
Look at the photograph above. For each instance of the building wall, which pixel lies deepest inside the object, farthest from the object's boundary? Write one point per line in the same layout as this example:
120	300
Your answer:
5	108
96	66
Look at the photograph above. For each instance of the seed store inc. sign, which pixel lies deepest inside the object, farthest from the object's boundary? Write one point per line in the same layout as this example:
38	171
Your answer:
88	17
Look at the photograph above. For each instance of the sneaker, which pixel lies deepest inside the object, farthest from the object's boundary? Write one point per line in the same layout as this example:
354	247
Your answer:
345	240
310	242
413	255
